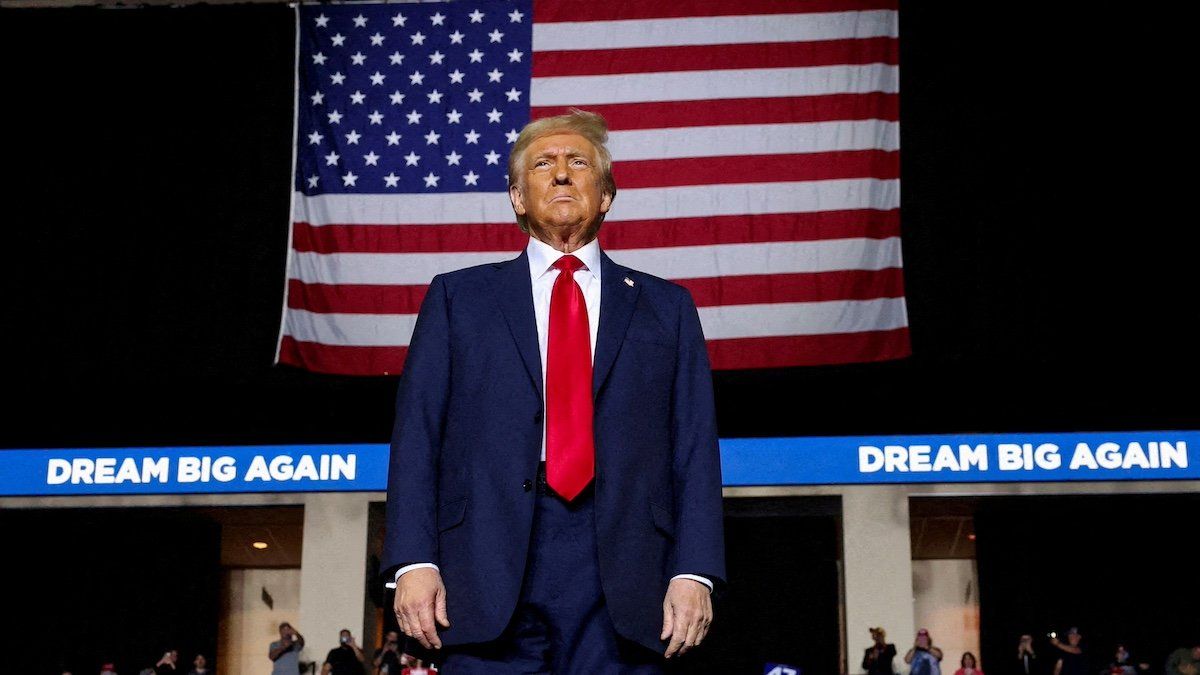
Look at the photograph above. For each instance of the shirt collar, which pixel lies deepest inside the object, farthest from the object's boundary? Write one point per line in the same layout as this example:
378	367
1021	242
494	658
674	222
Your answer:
543	255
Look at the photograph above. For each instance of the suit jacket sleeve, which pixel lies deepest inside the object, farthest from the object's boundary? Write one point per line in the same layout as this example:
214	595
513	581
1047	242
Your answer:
421	405
699	543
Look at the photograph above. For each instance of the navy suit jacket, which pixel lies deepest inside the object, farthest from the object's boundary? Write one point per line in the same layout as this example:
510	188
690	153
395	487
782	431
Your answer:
468	436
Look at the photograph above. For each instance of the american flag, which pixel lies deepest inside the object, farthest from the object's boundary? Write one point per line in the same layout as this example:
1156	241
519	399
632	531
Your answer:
755	145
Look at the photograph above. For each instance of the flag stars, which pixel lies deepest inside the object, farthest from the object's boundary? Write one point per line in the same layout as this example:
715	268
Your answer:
349	180
515	56
376	118
414	117
335	117
492	157
513	94
391	180
397	97
358	59
511	135
317	98
416	78
378	78
494	116
396	58
338	40
371	159
471	178
315	138
393	138
319	58
472	137
322	21
411	158
494	75
475	95
431	180
436	58
360	21
418	38
313	180
456	38
453	158
477	16
377	39
432	137
495	36
337	78
457	76
438	19
353	137
515	16
332	159
453	117
434	96
357	98
476	56
398	21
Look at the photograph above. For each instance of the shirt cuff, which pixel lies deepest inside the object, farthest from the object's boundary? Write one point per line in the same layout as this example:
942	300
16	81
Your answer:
409	568
693	577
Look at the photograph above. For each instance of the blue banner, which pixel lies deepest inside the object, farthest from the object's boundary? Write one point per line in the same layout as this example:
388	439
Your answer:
190	470
836	460
961	458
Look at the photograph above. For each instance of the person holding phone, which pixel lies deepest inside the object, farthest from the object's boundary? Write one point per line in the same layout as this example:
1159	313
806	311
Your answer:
285	652
877	660
344	659
923	657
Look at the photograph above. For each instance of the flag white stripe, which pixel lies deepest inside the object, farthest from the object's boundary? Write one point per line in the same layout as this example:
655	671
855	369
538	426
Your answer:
713	30
671	262
802	318
754	139
719	323
635	204
713	84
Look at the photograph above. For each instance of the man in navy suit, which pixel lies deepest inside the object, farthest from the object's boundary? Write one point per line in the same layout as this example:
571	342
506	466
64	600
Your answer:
554	495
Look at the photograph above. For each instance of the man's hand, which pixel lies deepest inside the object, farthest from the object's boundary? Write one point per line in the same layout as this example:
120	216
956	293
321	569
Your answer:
687	614
420	599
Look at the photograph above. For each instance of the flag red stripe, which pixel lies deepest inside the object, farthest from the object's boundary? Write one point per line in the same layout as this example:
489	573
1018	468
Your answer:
809	350
811	287
554	11
338	360
782	110
880	164
715	57
709	292
702	231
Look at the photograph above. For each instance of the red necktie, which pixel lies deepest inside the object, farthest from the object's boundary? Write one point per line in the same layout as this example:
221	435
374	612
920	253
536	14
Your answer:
570	449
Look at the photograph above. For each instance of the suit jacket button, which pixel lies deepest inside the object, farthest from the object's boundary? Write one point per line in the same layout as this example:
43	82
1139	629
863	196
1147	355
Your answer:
528	485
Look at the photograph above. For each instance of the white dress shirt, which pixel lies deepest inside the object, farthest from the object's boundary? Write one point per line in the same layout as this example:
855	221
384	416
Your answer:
542	274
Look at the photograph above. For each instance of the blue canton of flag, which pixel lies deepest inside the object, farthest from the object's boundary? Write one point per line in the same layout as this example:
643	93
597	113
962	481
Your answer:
411	98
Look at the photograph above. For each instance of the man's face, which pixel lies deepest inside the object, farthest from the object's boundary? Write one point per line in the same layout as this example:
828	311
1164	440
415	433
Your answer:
200	661
1073	639
174	656
392	636
558	190
1196	653
285	631
344	637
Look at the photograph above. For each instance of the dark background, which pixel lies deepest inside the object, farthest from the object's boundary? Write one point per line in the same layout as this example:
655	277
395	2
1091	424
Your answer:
1048	248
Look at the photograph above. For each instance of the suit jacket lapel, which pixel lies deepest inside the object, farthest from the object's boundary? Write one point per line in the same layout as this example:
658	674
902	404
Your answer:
617	301
514	293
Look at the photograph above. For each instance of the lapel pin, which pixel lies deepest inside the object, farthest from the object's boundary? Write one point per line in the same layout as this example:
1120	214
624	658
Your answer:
628	281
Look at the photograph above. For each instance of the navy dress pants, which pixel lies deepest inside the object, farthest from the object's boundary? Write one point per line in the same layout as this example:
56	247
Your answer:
561	624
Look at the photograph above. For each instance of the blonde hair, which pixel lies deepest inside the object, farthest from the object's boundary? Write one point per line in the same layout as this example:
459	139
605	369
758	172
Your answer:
590	125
